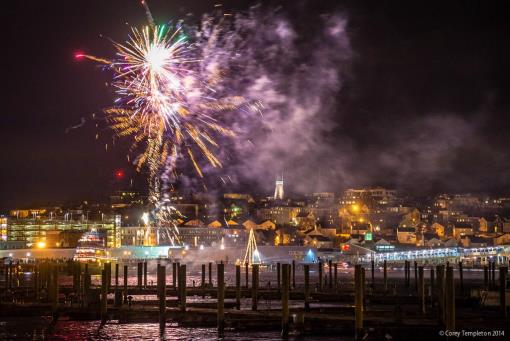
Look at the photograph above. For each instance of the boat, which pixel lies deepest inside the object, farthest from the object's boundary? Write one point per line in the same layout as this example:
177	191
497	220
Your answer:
92	249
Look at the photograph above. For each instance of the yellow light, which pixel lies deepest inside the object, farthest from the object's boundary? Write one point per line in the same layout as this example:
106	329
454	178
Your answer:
355	208
41	245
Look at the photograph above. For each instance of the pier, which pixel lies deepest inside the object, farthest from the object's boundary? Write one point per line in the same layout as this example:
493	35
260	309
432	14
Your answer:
291	297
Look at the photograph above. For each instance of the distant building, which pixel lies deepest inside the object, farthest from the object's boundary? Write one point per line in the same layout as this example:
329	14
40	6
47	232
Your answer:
318	241
433	242
304	220
462	229
378	195
505	226
382	245
438	229
249	224
267	225
361	228
474	241
121	199
279	215
502	239
406	235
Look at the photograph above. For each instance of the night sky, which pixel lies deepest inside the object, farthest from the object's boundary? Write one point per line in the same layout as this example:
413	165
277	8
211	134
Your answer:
423	104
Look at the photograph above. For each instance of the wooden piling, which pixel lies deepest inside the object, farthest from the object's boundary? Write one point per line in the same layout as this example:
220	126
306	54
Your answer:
494	274
440	291
406	273
108	268
246	274
162	298
432	279
461	278
293	274
372	273
86	285
490	275
358	302
210	274
9	276
221	298
421	288
320	276
285	300
254	286
238	287
6	277
416	276
174	275
306	269
503	270
139	275
449	299
145	274
335	267
182	287
55	291
363	287
73	267
37	284
104	292
278	276
202	281
385	276
486	277
116	275
330	277
125	283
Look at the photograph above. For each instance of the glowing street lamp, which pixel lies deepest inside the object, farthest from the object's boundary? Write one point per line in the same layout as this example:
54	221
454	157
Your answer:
41	245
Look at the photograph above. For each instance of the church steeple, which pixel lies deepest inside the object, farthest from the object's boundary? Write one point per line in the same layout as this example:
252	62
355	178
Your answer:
278	191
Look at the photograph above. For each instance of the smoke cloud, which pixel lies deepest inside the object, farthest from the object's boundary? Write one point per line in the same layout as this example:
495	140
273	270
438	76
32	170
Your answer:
291	80
296	122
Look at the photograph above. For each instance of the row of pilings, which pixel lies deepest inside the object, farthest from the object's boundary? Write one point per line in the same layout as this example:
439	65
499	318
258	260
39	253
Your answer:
435	297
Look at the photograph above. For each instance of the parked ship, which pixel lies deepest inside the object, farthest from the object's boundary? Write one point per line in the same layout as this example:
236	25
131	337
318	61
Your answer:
92	249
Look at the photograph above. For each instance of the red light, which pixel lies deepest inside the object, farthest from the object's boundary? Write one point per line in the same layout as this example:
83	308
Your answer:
79	55
119	174
346	247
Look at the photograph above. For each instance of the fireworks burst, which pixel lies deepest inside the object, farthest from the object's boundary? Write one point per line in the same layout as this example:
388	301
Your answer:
168	106
164	103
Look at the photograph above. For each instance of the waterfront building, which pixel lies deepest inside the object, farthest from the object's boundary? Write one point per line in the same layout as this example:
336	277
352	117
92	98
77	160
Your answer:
46	232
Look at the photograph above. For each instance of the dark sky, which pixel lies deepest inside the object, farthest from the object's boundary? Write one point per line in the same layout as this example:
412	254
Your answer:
423	76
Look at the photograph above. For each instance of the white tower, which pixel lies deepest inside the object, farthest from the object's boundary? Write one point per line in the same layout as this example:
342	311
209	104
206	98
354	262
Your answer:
278	190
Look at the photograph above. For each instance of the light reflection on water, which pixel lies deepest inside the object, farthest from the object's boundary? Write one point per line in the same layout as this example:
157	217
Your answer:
36	329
